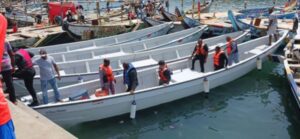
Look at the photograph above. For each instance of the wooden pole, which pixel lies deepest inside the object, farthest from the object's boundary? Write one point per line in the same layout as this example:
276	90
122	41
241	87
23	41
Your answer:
193	7
182	6
98	12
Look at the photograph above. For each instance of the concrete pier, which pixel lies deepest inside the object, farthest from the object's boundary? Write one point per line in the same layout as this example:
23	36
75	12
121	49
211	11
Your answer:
29	124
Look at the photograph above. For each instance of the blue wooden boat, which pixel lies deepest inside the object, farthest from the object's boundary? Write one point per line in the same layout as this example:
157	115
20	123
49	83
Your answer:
152	22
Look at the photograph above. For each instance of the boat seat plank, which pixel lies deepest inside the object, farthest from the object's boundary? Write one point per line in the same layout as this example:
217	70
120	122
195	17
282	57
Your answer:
111	55
297	81
254	51
294	65
184	75
62	72
145	62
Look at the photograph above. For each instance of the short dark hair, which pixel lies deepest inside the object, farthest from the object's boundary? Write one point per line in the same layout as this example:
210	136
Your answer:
161	62
106	61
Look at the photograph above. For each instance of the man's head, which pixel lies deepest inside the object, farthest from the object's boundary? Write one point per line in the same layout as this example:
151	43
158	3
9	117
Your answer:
161	64
228	38
200	41
43	53
125	66
106	62
217	49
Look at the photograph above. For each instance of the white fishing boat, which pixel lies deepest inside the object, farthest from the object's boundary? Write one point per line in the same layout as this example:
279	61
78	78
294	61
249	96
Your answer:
85	70
172	39
184	83
108	41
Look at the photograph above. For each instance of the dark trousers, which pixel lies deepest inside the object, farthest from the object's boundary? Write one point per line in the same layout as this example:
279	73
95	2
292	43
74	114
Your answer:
7	77
201	59
28	75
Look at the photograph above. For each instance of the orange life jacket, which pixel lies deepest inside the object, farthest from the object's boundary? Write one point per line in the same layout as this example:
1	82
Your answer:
4	110
161	74
201	50
217	58
229	47
108	71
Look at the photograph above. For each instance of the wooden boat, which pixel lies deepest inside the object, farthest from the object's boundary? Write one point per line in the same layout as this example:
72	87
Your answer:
189	22
88	31
203	8
290	6
152	22
85	70
34	36
168	16
184	83
291	62
108	41
176	38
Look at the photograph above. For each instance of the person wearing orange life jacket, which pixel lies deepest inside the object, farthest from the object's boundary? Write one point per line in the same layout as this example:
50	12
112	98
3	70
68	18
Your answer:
164	73
6	124
232	51
200	53
220	59
107	79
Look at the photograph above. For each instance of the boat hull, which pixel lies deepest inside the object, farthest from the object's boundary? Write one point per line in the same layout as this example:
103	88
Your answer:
105	108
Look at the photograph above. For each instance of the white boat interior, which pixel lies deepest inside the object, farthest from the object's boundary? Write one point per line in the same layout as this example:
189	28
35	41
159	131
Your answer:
122	49
143	59
107	41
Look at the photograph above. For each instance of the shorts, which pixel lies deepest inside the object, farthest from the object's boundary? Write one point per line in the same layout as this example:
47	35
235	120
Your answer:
7	131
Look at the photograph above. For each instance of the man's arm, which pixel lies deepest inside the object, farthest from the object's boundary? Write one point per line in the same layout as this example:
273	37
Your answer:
57	71
11	55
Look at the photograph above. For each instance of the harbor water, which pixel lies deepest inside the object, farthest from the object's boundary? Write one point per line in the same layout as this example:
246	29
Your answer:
259	105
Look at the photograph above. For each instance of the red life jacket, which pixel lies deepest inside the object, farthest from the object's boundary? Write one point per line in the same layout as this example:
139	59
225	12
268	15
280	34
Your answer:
108	71
4	110
201	50
161	74
217	58
229	47
26	57
15	28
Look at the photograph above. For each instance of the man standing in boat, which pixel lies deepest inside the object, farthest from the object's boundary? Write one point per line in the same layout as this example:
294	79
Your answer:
130	77
232	51
47	66
26	72
272	27
107	79
164	73
220	59
200	53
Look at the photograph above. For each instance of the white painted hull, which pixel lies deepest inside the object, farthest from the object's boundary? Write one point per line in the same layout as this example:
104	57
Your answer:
100	108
